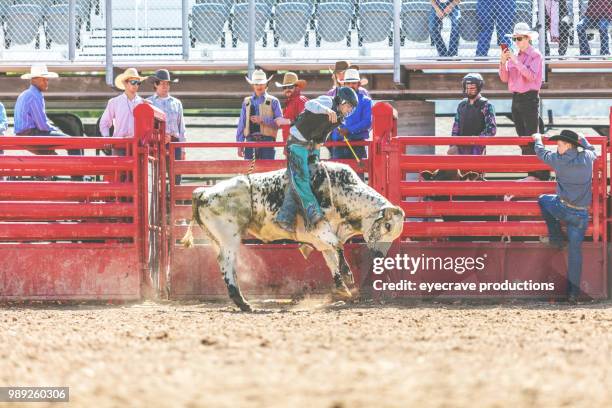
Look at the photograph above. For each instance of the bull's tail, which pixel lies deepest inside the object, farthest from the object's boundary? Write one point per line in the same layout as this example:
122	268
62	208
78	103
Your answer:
187	239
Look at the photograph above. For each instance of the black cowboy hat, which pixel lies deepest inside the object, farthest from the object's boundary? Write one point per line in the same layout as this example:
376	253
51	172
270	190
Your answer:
569	137
162	75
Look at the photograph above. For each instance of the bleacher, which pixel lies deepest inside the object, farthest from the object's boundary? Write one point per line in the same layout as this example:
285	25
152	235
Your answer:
285	30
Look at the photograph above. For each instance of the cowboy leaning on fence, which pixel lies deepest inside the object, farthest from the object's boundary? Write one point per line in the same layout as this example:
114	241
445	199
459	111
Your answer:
258	118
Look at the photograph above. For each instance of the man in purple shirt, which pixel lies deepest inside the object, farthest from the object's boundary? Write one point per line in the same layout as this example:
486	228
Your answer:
30	116
523	74
258	118
598	15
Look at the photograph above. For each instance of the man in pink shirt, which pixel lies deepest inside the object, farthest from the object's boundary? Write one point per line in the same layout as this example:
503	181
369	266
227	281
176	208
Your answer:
523	74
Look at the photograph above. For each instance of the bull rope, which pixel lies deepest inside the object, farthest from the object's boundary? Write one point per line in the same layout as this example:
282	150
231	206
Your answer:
248	176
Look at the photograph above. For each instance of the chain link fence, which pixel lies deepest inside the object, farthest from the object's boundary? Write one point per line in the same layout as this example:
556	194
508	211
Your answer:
298	30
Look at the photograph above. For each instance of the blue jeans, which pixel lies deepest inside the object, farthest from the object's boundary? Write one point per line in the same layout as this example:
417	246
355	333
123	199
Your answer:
299	195
263	153
591	23
554	211
494	13
435	27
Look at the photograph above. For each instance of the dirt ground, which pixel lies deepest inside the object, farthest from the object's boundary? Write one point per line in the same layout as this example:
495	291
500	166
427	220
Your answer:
313	354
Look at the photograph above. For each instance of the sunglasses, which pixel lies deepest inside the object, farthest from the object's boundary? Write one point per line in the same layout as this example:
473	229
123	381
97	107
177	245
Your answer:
134	82
290	87
518	38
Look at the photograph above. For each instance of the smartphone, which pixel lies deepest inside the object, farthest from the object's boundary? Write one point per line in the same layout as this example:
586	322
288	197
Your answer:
504	47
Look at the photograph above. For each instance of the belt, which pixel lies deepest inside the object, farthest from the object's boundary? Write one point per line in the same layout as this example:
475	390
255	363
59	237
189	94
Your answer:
528	93
575	207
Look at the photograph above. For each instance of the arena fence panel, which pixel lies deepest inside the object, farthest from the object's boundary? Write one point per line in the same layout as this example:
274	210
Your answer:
82	227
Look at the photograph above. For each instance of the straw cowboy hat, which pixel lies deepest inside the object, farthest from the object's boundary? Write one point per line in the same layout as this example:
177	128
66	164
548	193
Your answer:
291	79
522	30
342	66
163	75
39	71
258	78
129	73
352	75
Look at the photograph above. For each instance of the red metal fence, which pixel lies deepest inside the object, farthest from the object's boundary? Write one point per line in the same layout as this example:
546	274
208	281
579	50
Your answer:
112	237
62	238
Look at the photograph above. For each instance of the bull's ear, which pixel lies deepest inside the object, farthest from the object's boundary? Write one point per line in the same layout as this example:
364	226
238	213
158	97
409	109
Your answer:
389	212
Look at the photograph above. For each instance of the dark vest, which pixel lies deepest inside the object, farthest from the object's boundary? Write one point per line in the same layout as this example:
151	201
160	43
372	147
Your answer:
253	127
316	127
471	118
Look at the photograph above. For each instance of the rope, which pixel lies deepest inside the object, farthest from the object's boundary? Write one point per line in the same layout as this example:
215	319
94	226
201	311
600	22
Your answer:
252	164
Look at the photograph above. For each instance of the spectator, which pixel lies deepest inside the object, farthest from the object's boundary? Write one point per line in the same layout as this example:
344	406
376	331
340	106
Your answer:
172	107
597	16
3	123
356	126
498	14
30	113
475	116
338	77
574	170
558	23
294	103
439	10
119	111
257	118
523	73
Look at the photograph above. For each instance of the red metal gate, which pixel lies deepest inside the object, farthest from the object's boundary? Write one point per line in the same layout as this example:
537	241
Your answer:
66	239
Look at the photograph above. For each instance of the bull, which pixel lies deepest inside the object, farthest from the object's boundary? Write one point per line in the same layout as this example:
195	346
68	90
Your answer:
247	205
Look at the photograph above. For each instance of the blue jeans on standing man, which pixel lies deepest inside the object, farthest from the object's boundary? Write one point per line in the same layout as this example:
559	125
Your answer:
435	28
494	13
593	23
554	211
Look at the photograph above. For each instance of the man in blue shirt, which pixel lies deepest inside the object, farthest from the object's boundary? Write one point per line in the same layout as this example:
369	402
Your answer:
356	126
30	116
3	122
574	170
258	118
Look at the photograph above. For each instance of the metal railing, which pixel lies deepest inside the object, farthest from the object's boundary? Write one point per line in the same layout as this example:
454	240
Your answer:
226	31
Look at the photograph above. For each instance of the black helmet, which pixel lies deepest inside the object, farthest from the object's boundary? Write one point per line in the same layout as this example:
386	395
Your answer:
473	78
346	95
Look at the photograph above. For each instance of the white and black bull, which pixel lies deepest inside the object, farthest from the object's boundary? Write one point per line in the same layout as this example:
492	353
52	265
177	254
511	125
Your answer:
243	206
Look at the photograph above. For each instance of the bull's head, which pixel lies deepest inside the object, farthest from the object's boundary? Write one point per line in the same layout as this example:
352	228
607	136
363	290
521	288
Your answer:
382	228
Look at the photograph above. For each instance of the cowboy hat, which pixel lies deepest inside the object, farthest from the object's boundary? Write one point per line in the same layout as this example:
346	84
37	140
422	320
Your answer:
129	73
569	137
39	71
352	75
258	78
291	79
162	75
341	66
522	29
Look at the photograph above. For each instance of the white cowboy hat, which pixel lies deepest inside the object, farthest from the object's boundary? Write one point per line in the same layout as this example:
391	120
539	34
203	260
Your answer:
258	78
522	29
129	73
352	75
291	79
39	71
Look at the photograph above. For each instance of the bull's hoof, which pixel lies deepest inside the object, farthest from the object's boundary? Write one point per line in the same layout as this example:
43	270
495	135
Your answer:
245	307
348	279
342	294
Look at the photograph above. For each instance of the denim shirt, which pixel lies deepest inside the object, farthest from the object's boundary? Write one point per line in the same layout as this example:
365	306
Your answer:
574	172
173	108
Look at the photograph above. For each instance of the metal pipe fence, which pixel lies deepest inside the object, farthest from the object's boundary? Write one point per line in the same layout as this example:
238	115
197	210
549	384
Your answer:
250	31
